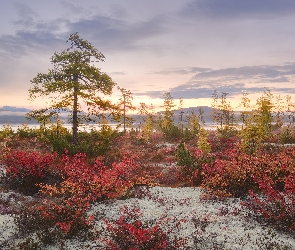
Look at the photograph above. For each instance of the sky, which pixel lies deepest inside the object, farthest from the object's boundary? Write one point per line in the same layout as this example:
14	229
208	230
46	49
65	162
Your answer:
189	48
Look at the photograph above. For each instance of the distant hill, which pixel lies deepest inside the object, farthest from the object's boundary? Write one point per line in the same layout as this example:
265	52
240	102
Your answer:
205	109
15	115
14	109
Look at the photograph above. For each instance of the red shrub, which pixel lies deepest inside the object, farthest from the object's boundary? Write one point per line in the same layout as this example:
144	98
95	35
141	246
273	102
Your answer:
97	180
24	170
231	174
277	207
130	233
21	164
82	184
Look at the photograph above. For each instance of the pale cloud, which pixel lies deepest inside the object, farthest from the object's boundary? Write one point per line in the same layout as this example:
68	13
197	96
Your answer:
252	79
182	71
237	9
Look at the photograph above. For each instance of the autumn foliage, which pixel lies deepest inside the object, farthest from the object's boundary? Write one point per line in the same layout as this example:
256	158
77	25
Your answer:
268	178
265	180
274	205
24	170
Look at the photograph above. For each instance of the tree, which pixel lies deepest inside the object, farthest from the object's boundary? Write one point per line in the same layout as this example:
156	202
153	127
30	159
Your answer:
149	120
258	125
74	83
167	121
125	104
223	115
222	112
41	116
280	108
193	124
245	104
290	111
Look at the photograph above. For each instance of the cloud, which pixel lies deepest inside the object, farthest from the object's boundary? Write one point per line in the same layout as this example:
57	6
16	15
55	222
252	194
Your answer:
27	14
264	71
117	73
33	34
119	35
181	71
70	7
250	9
252	79
23	43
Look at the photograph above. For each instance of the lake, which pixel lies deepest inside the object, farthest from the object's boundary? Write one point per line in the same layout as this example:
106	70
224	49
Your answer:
209	126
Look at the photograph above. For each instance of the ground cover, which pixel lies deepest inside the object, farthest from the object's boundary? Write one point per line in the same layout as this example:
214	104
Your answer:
147	194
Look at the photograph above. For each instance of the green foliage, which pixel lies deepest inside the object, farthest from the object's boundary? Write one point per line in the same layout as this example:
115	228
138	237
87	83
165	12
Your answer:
149	121
287	135
290	111
279	115
147	128
172	132
192	163
245	104
222	113
26	132
203	143
93	143
6	131
125	104
193	125
184	157
258	125
167	121
41	116
226	132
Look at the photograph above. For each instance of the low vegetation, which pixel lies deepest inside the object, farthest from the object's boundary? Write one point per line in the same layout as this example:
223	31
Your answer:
63	186
52	178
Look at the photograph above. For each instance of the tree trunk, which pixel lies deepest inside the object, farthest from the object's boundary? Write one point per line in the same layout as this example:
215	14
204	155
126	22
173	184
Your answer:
75	111
124	117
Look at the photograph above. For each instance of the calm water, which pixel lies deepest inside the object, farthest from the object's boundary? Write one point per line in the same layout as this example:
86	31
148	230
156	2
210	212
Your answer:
68	126
88	127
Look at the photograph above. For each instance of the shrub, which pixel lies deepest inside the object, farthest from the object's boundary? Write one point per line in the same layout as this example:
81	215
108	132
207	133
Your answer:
25	131
6	131
65	219
97	180
229	177
82	184
233	175
192	163
172	132
48	221
129	233
219	144
287	135
24	170
276	207
227	132
91	143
